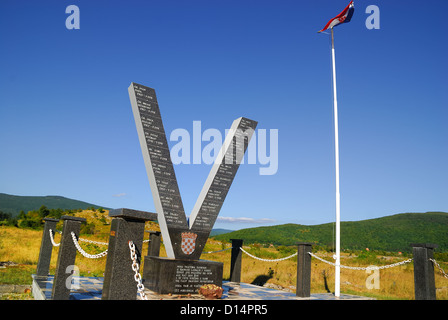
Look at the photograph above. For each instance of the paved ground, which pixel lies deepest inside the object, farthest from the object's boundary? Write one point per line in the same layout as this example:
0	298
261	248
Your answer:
90	288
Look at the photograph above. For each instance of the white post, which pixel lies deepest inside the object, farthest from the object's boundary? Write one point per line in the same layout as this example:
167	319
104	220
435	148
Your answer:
337	282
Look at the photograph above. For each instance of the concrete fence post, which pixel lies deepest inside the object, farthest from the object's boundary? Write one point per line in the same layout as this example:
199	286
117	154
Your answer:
46	248
424	281
66	258
127	225
154	243
303	270
235	260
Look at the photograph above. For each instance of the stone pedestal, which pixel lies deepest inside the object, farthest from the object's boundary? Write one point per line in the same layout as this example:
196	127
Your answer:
46	247
154	243
164	275
65	265
127	225
303	270
424	281
236	260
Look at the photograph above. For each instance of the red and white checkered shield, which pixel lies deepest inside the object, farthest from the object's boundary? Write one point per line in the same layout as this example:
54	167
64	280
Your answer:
188	242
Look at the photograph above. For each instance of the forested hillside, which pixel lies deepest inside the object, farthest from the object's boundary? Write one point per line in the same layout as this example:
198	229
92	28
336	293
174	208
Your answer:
391	233
13	204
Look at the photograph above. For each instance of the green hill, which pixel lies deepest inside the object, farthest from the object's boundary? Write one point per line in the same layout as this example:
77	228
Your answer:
391	233
218	231
14	204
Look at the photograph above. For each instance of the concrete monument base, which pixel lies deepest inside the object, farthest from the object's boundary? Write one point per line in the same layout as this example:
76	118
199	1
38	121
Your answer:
176	276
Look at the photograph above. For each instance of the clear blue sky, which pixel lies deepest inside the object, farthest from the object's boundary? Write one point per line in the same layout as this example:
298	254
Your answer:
66	124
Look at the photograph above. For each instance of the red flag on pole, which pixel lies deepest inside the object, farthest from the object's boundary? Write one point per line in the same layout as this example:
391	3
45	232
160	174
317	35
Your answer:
344	17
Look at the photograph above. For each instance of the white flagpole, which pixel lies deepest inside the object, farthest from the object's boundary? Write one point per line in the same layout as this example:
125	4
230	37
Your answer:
337	284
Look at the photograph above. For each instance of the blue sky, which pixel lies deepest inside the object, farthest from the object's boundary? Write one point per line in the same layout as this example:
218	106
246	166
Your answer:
66	124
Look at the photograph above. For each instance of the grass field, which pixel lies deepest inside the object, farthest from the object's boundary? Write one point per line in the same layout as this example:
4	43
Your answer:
22	247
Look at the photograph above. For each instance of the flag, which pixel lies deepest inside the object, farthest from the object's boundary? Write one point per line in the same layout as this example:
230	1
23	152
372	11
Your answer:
343	17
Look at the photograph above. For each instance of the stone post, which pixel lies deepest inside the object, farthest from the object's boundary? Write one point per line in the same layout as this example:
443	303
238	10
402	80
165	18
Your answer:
303	270
424	282
46	248
66	258
154	243
235	260
127	225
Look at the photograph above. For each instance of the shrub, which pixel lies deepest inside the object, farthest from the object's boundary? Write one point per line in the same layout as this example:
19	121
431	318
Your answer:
367	257
88	228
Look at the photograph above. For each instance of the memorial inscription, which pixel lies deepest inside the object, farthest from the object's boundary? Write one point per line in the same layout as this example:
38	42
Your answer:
179	276
188	276
184	239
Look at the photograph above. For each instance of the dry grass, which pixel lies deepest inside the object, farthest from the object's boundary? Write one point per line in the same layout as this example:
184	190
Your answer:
19	245
22	246
395	283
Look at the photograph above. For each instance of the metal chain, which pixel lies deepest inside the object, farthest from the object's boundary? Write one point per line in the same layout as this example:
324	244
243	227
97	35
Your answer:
52	239
362	268
137	277
80	239
94	242
268	260
218	250
85	254
440	268
85	240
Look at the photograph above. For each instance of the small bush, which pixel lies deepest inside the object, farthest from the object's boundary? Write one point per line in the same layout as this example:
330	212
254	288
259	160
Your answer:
367	257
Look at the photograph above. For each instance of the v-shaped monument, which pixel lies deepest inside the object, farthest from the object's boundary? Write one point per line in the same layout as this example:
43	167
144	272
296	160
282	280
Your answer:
184	239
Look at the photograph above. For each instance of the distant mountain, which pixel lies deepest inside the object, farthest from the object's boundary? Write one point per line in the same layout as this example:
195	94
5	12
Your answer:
14	204
390	233
218	231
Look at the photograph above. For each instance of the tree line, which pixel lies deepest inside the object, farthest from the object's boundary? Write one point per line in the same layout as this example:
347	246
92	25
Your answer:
34	219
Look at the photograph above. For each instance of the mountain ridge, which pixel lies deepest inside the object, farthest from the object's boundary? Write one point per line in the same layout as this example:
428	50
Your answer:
390	233
13	204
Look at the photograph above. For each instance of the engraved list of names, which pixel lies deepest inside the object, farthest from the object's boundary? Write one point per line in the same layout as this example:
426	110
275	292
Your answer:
156	154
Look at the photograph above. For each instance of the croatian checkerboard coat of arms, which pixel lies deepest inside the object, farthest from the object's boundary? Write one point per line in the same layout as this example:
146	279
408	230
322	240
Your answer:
188	242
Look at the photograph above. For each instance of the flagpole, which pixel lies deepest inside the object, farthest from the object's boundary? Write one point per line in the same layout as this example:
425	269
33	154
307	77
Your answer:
337	285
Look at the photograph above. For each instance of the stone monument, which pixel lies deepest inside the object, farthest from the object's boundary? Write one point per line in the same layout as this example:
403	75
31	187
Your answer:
184	239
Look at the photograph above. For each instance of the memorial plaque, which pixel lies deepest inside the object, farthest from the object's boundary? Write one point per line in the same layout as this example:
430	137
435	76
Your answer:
182	239
180	276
